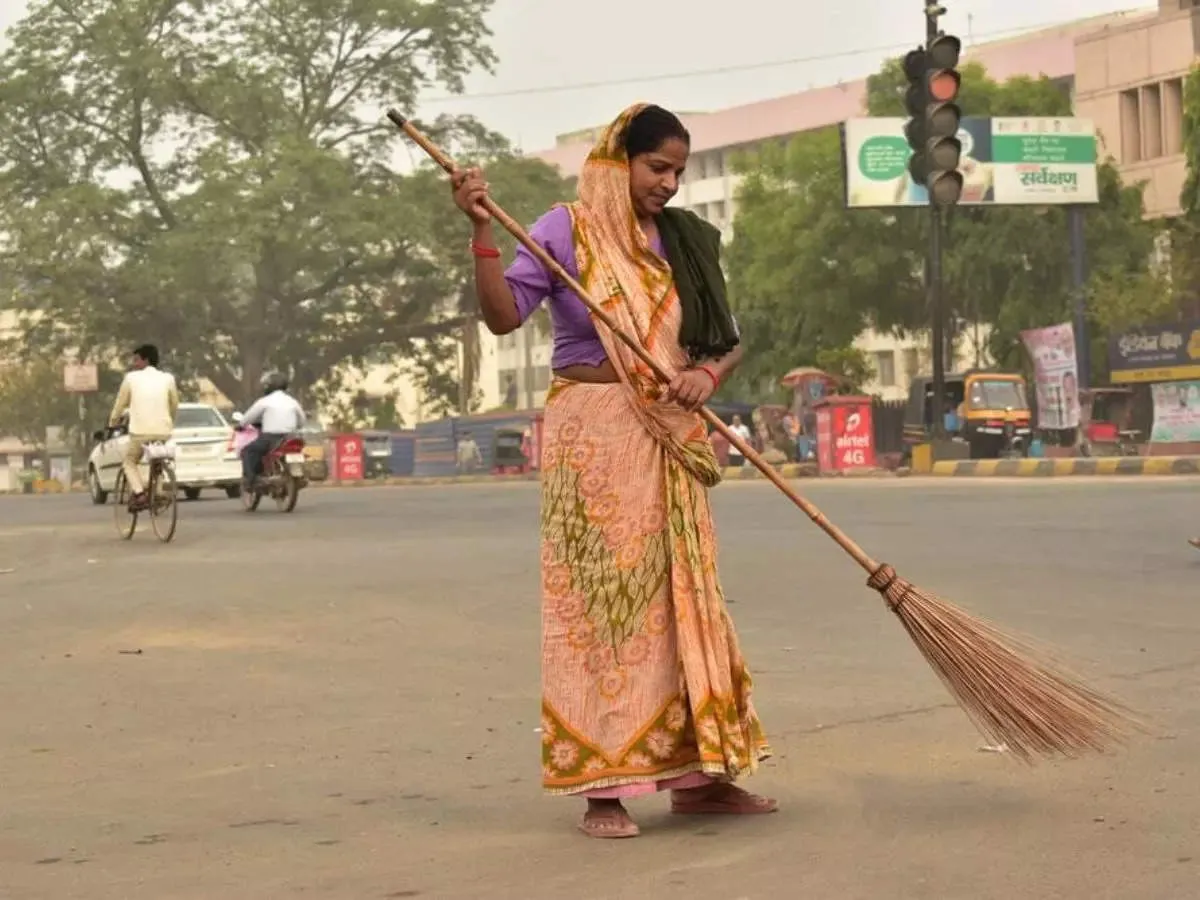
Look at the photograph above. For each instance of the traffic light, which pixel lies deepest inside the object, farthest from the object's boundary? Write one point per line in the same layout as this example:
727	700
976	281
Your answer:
932	130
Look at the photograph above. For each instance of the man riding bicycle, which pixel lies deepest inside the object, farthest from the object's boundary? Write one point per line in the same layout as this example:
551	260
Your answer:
276	414
151	399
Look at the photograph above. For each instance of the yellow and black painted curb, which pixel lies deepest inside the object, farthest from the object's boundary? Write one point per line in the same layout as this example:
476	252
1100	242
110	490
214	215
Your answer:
1072	466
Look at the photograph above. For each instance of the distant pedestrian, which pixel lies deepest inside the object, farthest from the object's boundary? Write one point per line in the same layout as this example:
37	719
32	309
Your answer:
469	457
738	427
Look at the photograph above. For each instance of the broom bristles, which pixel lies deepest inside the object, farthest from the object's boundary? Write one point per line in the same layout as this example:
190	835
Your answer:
1016	700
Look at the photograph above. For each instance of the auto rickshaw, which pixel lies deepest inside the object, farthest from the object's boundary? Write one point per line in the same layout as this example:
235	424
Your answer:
508	452
377	454
987	410
1108	431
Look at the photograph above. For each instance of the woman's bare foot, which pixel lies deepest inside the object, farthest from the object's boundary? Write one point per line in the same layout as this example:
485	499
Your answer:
608	819
720	798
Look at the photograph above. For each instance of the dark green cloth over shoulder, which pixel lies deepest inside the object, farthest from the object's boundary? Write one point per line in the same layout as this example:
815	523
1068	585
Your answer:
693	249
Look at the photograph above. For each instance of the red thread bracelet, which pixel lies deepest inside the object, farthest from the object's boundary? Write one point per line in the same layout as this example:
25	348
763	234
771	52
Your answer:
711	374
484	252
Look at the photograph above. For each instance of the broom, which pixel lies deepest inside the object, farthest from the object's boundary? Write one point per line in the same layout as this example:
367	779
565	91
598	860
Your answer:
1016	701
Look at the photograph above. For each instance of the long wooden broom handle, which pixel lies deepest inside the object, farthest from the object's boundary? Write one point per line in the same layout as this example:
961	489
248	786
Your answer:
514	228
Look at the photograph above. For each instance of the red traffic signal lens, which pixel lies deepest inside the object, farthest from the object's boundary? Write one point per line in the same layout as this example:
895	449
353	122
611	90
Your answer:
943	85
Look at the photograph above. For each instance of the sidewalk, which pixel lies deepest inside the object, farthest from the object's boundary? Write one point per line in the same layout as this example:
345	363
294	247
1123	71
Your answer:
1045	468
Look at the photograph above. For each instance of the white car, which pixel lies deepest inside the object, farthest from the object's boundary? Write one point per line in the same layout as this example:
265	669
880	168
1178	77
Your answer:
203	455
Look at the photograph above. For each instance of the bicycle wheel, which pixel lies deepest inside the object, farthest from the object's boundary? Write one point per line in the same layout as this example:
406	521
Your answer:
164	506
125	520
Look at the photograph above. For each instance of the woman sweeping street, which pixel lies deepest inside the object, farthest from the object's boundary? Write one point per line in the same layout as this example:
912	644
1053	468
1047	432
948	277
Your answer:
644	688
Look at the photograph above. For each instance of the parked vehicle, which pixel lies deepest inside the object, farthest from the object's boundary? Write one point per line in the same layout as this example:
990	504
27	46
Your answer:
990	411
203	458
509	456
377	453
1108	432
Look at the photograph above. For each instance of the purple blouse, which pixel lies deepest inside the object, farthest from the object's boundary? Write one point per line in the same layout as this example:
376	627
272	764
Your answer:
576	342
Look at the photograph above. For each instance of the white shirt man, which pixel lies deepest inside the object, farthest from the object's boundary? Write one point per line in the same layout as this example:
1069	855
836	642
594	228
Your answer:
277	413
739	428
151	398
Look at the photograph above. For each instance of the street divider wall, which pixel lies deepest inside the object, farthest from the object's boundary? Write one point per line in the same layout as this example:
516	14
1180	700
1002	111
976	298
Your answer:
1071	466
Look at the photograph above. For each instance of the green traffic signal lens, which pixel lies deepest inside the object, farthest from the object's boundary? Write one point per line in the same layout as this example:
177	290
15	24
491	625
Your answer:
945	188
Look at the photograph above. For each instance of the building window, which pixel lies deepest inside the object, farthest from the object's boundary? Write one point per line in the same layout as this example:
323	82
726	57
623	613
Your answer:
541	378
1172	116
719	217
885	368
1152	121
508	387
912	363
1131	127
506	341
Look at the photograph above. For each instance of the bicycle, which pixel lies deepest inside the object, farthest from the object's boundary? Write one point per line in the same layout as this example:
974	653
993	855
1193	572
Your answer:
162	505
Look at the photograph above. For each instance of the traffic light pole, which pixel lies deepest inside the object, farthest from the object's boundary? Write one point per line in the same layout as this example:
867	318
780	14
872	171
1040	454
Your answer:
1075	223
933	287
933	274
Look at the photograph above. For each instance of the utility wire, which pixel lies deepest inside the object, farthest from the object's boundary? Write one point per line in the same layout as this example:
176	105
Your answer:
722	70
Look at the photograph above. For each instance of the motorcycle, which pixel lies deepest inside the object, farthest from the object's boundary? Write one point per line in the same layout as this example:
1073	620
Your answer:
282	476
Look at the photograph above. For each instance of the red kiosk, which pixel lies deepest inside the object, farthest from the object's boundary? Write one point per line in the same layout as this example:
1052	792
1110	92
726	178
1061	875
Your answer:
845	434
347	457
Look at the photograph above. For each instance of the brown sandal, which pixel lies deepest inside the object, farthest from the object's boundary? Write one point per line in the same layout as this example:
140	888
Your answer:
724	799
609	822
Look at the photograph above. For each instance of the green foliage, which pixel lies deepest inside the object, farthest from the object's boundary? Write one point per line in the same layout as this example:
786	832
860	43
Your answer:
33	401
849	364
216	177
1190	199
807	274
526	188
1185	237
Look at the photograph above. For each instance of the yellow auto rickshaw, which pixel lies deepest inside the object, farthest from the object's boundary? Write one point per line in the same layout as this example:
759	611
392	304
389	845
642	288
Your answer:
987	410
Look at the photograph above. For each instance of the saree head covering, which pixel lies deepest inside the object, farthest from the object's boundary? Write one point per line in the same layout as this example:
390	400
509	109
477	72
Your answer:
643	682
693	246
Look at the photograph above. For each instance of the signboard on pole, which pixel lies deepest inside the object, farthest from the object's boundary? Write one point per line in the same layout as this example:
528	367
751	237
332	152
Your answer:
1176	412
1056	375
1160	353
81	378
1005	162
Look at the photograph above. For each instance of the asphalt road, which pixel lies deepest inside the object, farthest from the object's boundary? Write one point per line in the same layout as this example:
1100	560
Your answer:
342	703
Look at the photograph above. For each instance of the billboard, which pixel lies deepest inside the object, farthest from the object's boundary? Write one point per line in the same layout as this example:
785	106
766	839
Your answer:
1159	353
1005	162
1056	375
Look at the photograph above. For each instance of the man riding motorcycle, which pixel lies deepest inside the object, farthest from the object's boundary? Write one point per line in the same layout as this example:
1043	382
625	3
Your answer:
276	414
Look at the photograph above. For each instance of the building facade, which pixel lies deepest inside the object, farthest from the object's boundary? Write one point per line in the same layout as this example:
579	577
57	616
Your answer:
1129	79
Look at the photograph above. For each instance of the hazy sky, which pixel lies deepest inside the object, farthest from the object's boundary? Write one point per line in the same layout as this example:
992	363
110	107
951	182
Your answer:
676	59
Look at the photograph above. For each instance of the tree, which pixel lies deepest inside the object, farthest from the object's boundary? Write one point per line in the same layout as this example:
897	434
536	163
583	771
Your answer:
34	403
1185	237
806	273
526	188
215	177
